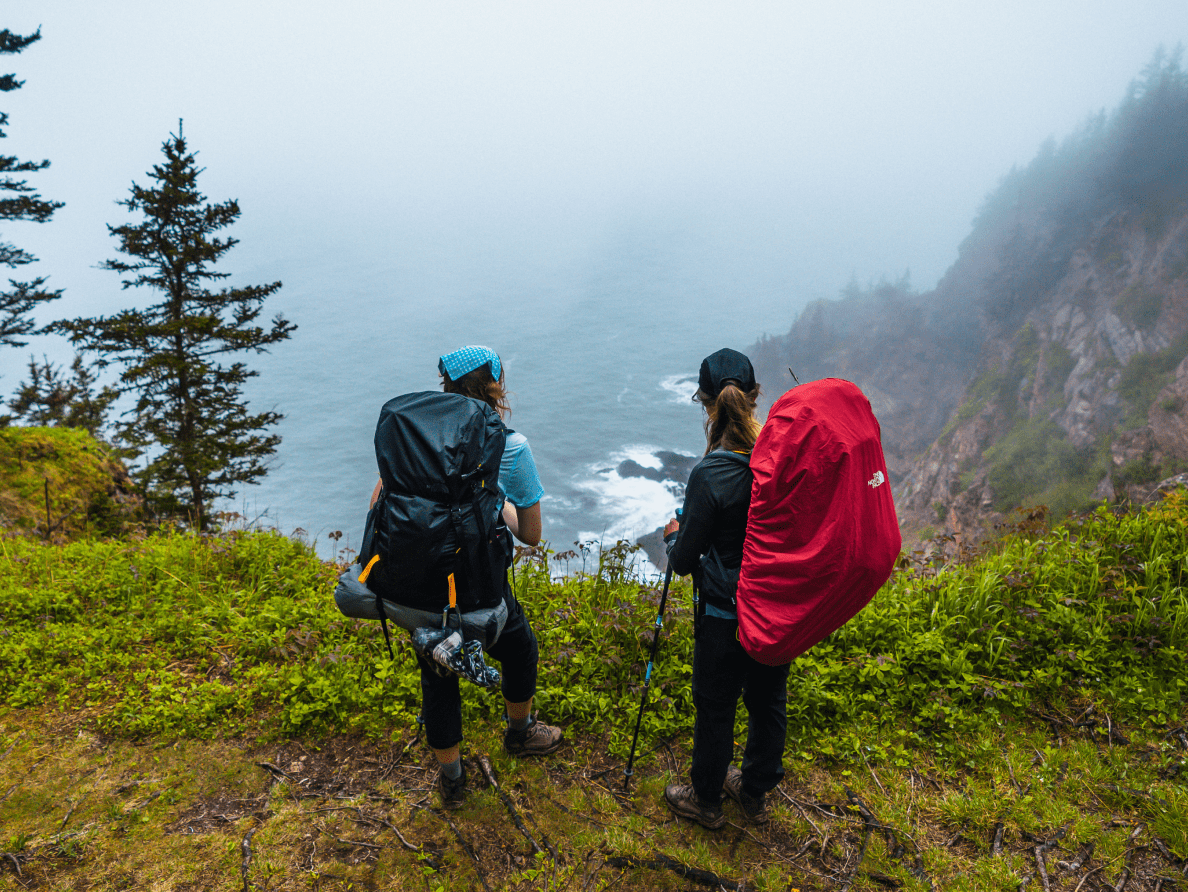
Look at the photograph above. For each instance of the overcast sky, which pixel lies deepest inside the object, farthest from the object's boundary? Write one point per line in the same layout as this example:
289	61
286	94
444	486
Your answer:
856	137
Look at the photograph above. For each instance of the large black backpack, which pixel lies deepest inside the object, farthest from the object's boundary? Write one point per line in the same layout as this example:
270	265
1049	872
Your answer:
440	511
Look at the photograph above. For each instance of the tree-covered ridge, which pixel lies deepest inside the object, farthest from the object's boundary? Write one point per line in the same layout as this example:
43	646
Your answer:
1041	213
1047	367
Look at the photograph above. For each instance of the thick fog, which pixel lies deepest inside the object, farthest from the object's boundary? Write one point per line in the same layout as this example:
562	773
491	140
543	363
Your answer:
827	140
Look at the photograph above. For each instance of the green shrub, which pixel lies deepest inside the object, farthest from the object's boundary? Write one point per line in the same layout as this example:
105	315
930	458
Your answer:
183	634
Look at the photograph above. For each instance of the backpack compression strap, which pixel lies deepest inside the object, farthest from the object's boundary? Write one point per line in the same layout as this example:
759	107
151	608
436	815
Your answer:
379	605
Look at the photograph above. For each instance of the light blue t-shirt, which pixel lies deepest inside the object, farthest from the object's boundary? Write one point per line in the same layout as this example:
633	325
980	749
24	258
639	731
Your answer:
517	472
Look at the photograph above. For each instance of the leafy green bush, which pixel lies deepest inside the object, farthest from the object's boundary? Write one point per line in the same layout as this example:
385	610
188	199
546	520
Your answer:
185	634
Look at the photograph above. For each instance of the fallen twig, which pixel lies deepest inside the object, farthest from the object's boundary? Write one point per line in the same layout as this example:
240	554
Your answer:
535	826
663	862
803	814
1042	868
246	848
861	854
16	862
276	772
71	811
996	844
1076	863
1086	877
1011	771
489	774
1124	878
872	773
19	735
466	847
357	842
395	762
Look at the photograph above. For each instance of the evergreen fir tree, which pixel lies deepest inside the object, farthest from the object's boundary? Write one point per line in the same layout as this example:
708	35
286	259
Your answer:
190	421
50	399
18	201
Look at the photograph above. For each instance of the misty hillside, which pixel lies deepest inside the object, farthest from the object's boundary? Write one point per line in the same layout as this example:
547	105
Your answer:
1048	365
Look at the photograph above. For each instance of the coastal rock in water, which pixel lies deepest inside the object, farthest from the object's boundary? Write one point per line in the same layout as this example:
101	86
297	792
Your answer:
674	468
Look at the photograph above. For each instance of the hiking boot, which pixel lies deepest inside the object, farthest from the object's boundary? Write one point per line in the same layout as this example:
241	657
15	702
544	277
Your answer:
754	808
453	792
684	801
538	739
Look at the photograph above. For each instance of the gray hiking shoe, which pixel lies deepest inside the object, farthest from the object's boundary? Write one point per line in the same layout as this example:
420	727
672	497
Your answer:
453	792
538	739
754	808
684	801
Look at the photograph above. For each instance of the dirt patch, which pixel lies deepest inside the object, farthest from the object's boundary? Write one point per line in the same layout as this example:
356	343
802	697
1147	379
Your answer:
216	813
340	766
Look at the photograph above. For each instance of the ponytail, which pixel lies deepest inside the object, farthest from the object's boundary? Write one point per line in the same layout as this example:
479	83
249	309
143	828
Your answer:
730	421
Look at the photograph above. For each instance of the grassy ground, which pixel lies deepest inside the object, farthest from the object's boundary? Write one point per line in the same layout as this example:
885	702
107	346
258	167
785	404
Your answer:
1070	802
189	712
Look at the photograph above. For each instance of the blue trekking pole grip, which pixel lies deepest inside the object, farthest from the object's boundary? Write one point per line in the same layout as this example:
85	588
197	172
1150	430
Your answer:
627	773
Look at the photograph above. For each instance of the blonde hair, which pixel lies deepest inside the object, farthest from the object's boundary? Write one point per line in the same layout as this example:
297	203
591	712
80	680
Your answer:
480	385
730	421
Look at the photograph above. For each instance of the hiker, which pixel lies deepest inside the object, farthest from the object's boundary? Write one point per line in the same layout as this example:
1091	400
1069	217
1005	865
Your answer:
476	372
707	541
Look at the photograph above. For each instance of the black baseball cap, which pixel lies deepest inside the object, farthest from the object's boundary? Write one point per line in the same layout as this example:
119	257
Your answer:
726	365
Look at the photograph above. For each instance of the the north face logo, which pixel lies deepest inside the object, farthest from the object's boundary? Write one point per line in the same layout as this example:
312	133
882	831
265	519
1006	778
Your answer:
877	480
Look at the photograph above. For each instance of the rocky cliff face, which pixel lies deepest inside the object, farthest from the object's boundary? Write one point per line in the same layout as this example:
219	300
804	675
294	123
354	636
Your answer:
1082	402
1049	364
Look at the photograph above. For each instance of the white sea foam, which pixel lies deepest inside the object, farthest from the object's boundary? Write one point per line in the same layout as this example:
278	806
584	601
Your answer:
629	507
680	388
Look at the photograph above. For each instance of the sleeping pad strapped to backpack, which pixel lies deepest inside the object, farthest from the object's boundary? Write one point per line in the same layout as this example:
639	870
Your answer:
440	510
822	535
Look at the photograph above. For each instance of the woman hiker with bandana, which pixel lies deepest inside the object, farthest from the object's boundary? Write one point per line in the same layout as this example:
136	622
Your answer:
477	373
708	542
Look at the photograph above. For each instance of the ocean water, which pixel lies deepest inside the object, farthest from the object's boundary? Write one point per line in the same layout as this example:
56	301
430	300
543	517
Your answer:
601	335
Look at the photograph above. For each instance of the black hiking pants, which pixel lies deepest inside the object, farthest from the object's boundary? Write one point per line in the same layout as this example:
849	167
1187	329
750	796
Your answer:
721	671
441	699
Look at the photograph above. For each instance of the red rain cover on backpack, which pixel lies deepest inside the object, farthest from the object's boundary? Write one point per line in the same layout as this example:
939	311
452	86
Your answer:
822	535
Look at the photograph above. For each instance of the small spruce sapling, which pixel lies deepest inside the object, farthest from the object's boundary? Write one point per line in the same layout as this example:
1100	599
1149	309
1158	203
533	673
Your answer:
50	399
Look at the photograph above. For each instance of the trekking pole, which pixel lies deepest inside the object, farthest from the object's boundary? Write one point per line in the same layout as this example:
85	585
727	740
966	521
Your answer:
647	677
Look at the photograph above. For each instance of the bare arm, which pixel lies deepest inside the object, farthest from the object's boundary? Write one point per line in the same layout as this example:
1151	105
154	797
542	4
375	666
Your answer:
524	523
375	493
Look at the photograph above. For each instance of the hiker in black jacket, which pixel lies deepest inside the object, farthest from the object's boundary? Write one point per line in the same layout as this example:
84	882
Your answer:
708	542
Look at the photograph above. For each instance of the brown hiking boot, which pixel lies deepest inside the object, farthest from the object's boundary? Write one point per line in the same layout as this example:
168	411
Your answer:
684	801
754	808
538	739
453	792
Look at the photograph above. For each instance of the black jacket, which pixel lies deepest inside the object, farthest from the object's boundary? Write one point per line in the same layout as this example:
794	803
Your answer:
709	543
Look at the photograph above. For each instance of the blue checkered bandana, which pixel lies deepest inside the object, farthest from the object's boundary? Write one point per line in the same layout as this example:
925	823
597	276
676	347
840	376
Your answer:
466	360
